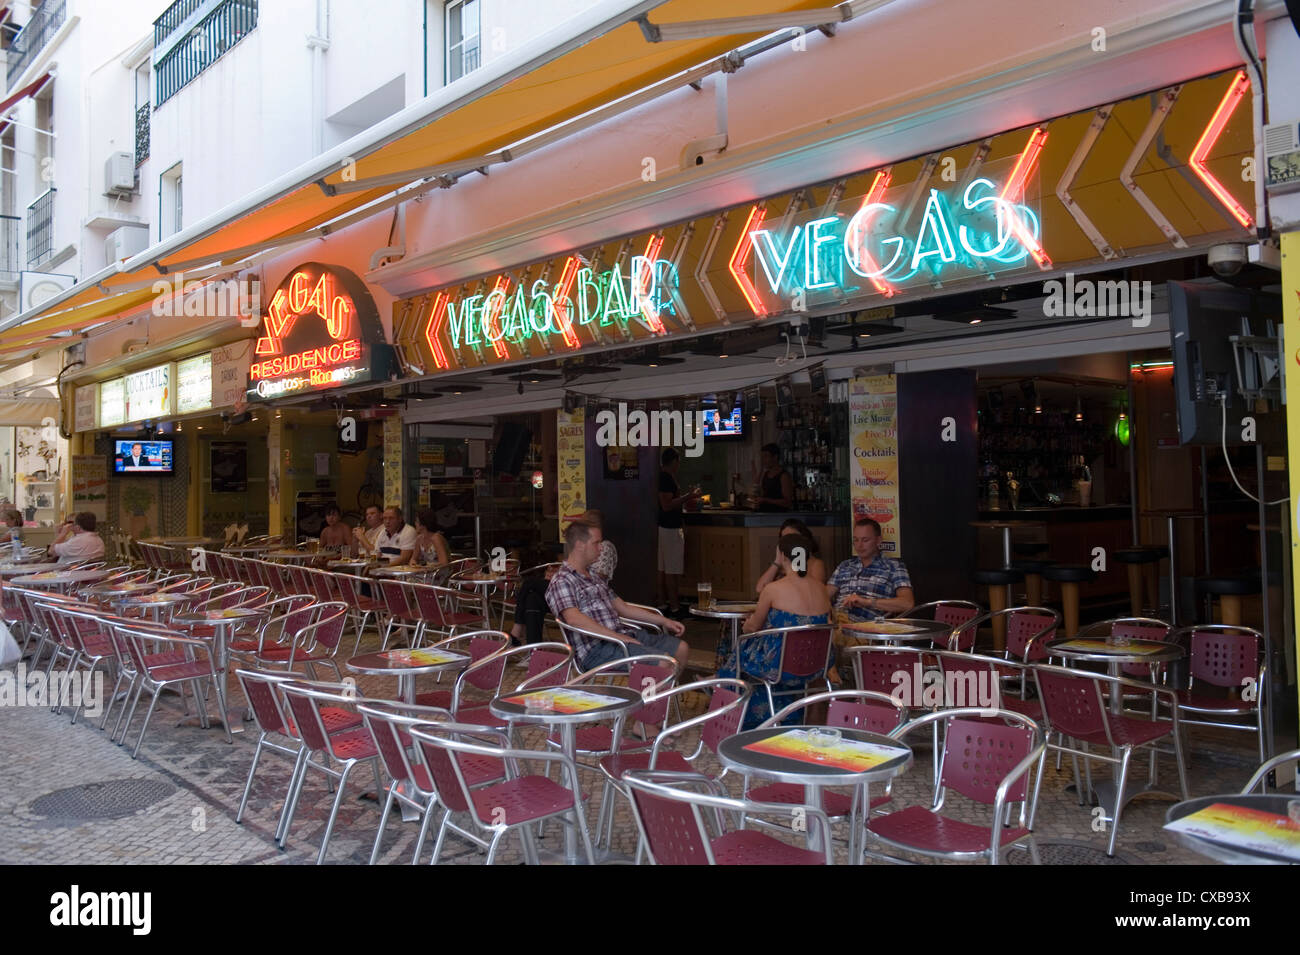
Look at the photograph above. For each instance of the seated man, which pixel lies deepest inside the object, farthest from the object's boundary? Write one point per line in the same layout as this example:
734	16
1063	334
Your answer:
396	541
870	586
368	532
583	599
335	534
77	540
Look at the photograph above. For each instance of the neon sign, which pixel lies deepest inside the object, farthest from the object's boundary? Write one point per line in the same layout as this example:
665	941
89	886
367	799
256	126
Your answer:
321	330
581	298
986	228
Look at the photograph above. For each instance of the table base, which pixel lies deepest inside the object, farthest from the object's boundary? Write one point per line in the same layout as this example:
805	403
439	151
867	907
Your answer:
1104	793
234	717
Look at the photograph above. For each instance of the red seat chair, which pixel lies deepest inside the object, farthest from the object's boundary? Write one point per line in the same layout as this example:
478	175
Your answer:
548	665
1073	706
399	609
363	607
515	803
308	703
682	819
987	760
955	613
804	656
1229	659
436	608
485	677
274	723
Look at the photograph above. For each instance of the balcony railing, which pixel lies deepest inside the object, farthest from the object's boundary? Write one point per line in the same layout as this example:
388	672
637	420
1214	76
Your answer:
40	229
176	14
44	23
9	264
203	45
141	134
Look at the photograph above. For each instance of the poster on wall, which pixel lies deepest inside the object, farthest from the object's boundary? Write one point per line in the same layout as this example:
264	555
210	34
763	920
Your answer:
393	462
85	409
273	480
571	466
873	406
1291	334
90	485
229	373
229	467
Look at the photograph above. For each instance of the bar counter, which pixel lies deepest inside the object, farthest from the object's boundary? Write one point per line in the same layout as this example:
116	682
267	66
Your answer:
731	548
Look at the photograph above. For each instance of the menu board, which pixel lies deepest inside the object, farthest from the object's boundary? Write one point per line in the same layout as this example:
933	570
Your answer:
194	384
230	373
83	403
571	455
873	442
112	403
148	393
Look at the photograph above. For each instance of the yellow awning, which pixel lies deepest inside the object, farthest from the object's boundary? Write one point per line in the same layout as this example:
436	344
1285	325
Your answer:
563	85
33	334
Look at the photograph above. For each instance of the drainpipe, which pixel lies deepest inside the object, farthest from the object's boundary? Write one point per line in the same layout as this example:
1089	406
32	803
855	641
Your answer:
318	43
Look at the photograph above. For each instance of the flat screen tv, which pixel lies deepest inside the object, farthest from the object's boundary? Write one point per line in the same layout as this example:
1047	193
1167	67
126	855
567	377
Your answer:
716	426
142	457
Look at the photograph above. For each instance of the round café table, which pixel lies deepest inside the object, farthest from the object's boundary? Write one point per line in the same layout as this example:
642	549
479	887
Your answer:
249	548
1114	655
294	556
406	665
223	623
789	754
111	592
61	580
358	564
153	604
899	631
1261	812
731	611
22	570
573	706
177	541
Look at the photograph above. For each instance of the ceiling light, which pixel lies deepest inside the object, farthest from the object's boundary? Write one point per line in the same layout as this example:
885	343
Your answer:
723	356
976	321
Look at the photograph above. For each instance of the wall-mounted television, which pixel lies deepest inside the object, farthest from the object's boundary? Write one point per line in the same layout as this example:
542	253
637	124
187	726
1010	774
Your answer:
142	457
716	426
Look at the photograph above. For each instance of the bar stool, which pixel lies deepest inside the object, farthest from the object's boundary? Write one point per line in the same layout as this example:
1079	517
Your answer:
1033	569
999	581
1229	590
1140	561
1069	576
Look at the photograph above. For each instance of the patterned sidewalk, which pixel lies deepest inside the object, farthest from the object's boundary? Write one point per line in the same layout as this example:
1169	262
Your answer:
71	796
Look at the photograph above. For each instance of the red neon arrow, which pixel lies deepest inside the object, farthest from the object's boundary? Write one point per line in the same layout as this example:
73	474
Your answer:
644	284
1236	90
436	320
1013	193
874	194
740	259
498	346
563	313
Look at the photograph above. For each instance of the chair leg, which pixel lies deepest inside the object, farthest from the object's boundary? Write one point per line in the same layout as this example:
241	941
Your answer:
442	835
492	849
1119	799
424	830
334	811
291	798
1182	767
383	821
1038	784
147	716
248	785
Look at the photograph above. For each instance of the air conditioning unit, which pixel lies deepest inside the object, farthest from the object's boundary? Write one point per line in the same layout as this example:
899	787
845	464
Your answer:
125	242
1282	157
119	175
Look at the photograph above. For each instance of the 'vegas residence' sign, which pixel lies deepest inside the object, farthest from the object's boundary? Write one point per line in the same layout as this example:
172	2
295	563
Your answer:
321	330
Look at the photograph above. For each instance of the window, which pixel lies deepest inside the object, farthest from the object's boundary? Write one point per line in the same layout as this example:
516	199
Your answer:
170	192
462	38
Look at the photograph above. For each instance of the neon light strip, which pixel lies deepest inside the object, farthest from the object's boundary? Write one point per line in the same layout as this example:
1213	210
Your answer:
436	318
643	287
1227	106
1015	188
740	259
498	346
874	194
563	316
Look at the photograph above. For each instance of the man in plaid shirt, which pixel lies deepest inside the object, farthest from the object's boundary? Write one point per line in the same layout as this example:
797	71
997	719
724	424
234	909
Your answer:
870	585
583	599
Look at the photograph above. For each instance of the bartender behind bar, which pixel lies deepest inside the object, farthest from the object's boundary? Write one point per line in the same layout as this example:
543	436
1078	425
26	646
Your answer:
776	487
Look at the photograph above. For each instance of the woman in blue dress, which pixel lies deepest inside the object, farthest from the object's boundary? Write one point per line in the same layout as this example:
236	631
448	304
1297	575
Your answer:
794	599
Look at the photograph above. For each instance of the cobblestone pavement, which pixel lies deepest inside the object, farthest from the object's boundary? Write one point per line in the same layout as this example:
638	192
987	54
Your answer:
177	802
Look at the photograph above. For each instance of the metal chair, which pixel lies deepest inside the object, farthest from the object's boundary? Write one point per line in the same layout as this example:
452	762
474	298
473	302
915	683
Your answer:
516	803
1228	658
987	761
1260	776
1073	706
434	605
955	613
479	675
307	703
363	606
1028	630
681	818
803	655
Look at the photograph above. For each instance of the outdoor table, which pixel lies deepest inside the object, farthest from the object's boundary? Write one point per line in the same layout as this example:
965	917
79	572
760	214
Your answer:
1114	655
21	570
398	570
153	604
406	665
249	548
118	591
177	541
788	754
898	631
733	612
358	564
1243	829
223	622
483	583
60	579
572	706
293	556
1007	528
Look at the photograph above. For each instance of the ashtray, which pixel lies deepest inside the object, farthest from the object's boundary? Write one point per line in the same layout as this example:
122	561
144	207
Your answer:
824	737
